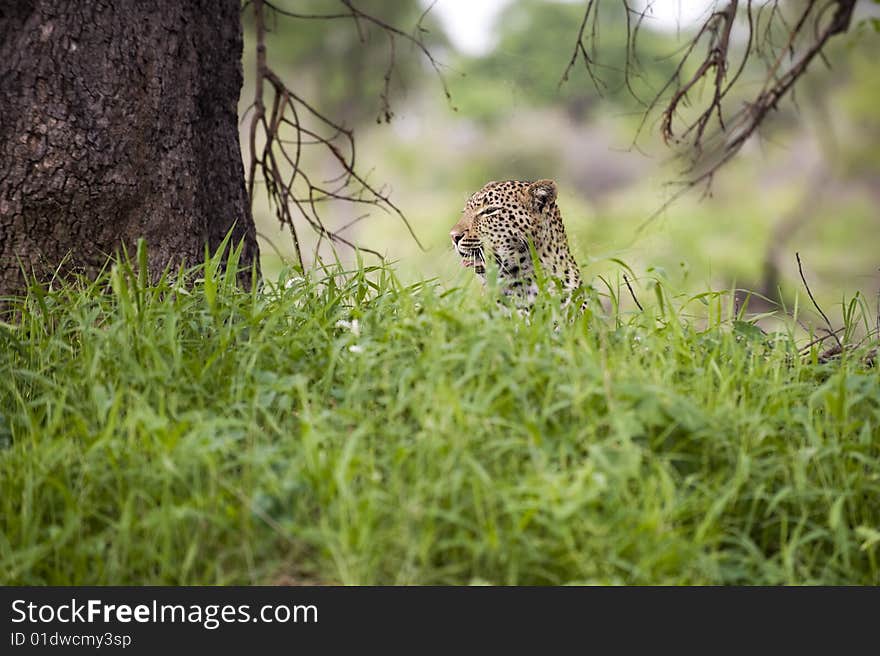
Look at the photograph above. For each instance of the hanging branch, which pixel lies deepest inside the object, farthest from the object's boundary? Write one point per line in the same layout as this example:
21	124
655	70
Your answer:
293	193
709	135
583	46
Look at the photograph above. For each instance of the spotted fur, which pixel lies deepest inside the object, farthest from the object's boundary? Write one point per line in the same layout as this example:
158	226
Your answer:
502	219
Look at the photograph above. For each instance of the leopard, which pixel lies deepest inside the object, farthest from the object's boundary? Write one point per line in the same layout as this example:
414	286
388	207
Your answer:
508	219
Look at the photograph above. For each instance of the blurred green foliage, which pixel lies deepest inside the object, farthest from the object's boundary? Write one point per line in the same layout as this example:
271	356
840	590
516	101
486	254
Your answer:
342	61
535	43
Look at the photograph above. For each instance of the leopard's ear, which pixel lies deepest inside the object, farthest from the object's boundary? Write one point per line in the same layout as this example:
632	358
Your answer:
542	194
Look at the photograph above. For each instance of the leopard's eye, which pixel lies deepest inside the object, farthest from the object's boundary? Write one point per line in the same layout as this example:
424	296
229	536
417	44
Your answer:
487	211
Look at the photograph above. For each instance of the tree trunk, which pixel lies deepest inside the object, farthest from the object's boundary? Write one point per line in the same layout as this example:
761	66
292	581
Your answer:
118	120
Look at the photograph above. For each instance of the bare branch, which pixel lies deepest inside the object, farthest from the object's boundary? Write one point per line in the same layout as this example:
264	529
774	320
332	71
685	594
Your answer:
415	40
709	134
580	48
276	156
819	340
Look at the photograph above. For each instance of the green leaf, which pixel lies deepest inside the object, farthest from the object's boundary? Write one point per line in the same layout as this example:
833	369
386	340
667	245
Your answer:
747	330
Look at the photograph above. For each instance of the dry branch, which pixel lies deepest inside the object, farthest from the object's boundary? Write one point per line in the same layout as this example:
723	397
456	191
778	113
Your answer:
293	193
710	132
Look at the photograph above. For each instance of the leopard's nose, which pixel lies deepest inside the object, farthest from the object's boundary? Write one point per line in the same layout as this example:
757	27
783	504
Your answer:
456	237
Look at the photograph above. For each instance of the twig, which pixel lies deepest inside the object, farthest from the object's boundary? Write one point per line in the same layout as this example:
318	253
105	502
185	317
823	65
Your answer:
812	298
819	340
292	193
581	49
833	352
708	150
632	293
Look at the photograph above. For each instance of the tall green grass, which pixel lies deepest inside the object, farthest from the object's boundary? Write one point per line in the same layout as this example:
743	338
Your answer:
340	427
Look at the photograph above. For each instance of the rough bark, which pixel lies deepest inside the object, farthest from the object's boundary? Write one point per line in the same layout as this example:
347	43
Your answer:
118	120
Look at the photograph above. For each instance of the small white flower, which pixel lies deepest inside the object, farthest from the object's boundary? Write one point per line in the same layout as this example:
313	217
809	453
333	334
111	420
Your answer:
356	348
354	326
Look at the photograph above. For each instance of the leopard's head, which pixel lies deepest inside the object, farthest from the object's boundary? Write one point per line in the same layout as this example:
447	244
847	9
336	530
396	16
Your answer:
502	220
